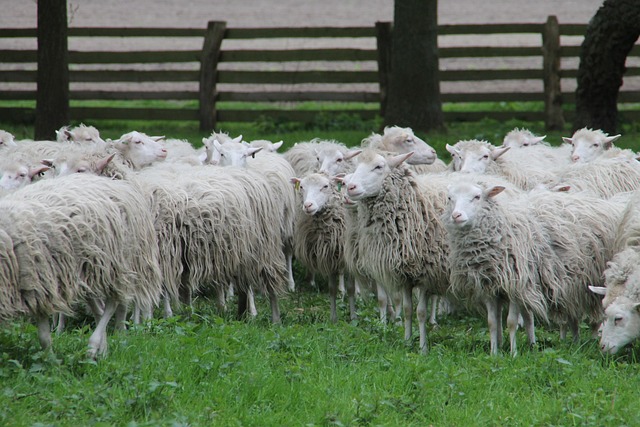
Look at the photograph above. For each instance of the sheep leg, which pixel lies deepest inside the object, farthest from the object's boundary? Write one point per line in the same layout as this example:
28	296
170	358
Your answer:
97	308
408	312
494	323
421	312
382	303
333	294
529	326
121	317
135	317
230	291
574	325
275	309
59	322
98	339
341	287
512	325
251	300
167	311
397	298
351	292
44	331
292	282
434	309
221	299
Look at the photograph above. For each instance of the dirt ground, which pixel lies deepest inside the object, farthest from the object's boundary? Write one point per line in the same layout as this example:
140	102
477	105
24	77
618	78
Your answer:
272	13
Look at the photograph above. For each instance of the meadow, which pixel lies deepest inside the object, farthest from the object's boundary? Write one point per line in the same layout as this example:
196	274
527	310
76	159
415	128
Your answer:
203	368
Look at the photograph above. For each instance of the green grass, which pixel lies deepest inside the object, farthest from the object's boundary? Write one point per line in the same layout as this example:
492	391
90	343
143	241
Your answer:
200	369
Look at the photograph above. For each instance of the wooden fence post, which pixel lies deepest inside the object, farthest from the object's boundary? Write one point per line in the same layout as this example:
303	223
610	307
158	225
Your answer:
208	73
553	117
383	41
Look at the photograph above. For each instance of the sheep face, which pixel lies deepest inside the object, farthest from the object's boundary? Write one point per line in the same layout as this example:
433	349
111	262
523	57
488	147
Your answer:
476	159
589	144
366	181
6	139
465	200
519	138
212	156
621	325
402	141
316	192
17	176
235	153
334	161
140	149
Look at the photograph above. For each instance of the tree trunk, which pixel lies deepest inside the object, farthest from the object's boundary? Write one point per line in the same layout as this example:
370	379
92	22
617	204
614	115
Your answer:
414	81
611	34
52	99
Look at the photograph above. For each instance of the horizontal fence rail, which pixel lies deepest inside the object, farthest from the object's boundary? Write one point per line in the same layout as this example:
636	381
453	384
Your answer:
230	70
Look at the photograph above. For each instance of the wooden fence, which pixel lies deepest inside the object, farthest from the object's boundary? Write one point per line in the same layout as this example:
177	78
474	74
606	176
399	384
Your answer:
235	75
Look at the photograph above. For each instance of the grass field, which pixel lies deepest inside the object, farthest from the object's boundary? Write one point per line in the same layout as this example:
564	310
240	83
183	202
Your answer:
201	368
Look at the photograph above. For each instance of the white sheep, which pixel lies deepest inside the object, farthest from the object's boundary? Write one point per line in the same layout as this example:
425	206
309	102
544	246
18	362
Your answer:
526	169
6	139
621	324
589	144
80	134
401	240
399	140
537	250
320	234
520	138
80	238
15	174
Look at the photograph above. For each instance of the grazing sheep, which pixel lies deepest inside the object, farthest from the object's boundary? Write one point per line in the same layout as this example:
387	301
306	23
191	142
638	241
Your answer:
6	139
589	144
401	240
80	238
519	138
320	234
526	169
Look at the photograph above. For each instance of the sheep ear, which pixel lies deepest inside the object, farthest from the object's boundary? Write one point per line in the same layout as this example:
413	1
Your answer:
452	150
339	177
562	188
351	154
277	145
608	141
205	141
237	139
157	138
251	151
395	161
498	151
494	191
567	140
217	144
600	290
102	163
538	139
47	162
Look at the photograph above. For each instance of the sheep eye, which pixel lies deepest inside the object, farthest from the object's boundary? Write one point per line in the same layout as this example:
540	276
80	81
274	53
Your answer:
325	187
378	167
22	175
477	197
617	320
409	141
526	144
338	160
596	145
486	156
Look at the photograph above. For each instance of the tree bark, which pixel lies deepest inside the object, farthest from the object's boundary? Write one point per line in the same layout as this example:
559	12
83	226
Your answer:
611	34
52	99
414	81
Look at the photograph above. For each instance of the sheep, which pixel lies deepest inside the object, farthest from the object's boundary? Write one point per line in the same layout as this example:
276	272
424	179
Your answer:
320	234
269	147
604	177
589	144
519	138
401	240
621	324
15	174
402	140
526	169
79	238
6	139
329	156
537	250
182	151
81	134
277	172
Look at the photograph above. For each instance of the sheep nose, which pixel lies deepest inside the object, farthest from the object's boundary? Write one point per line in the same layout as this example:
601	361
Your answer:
602	347
456	215
351	187
575	158
307	205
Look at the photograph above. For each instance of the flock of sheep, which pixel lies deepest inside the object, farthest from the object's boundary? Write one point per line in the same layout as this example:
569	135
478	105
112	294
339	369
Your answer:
143	221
